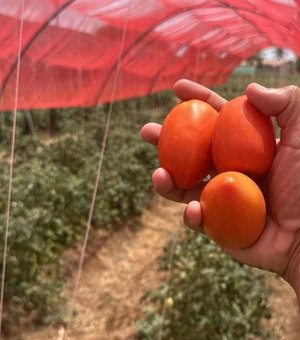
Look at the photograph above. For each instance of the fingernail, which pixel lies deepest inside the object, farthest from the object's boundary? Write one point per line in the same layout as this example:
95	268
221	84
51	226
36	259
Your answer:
266	89
260	86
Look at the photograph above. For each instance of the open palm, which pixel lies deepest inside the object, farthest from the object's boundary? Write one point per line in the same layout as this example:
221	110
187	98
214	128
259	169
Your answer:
278	248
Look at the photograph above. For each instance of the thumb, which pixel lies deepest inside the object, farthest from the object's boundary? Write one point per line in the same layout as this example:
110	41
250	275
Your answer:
284	103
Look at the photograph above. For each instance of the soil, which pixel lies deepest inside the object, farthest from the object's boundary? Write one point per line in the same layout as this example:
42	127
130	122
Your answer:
285	320
121	266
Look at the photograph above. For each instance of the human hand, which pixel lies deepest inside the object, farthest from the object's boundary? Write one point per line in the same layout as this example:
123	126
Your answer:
162	181
278	248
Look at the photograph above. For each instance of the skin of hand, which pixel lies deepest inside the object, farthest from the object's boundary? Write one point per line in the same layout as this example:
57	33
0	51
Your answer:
278	248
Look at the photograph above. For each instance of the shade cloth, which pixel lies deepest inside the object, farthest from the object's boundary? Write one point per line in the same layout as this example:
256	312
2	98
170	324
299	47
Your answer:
62	53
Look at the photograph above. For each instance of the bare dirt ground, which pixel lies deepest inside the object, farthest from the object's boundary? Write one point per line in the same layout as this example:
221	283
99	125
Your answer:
285	321
122	266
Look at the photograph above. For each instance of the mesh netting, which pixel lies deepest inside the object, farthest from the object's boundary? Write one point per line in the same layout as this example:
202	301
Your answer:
86	52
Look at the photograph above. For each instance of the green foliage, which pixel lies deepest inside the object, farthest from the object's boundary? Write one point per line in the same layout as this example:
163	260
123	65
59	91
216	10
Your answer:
126	181
46	216
53	182
237	83
54	122
298	65
213	296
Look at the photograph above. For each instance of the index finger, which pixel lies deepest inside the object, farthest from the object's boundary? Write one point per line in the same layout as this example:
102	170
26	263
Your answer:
186	89
150	133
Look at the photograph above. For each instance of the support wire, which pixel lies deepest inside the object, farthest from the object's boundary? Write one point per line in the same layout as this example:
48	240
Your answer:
97	183
11	168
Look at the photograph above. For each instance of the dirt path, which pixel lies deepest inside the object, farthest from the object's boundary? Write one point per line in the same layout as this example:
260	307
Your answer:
117	276
285	321
122	266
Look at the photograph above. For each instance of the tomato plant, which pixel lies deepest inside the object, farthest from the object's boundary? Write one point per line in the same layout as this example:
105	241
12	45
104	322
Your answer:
185	142
213	296
234	210
244	139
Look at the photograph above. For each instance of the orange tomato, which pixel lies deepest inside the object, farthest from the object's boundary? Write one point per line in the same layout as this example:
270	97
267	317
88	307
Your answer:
244	139
184	146
234	210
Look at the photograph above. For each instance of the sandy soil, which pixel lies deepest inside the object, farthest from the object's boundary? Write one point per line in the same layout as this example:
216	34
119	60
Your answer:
285	321
121	266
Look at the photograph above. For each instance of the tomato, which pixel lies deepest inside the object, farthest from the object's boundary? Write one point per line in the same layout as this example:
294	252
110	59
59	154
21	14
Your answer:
169	303
234	210
184	146
244	139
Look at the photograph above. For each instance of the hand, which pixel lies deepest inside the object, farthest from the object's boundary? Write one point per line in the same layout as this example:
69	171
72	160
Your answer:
162	181
278	248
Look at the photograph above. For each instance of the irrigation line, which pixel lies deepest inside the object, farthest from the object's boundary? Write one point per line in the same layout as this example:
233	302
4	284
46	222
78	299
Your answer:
11	168
96	185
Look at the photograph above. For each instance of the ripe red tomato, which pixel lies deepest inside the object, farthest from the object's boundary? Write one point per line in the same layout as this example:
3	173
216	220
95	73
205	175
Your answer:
244	139
234	210
184	146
